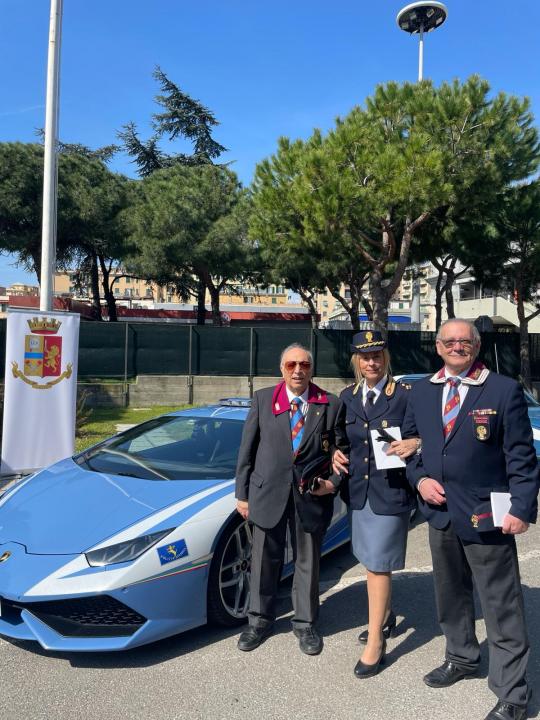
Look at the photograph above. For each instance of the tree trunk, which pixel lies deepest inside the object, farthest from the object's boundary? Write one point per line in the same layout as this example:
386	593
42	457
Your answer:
94	283
307	297
214	301
523	340
107	293
351	308
439	289
201	294
379	298
367	307
448	287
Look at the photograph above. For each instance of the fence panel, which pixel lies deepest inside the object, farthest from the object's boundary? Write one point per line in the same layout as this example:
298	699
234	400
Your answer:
332	353
412	352
500	352
220	350
269	343
159	349
102	350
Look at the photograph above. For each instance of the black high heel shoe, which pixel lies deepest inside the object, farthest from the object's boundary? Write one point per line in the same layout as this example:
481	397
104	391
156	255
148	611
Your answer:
389	629
363	671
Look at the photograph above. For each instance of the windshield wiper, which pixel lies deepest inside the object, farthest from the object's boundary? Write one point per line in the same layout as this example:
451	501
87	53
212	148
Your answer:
136	461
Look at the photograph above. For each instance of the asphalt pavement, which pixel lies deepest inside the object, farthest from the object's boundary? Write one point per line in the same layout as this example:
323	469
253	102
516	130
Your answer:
200	675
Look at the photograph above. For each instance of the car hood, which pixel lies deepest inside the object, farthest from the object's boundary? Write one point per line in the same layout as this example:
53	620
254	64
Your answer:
65	509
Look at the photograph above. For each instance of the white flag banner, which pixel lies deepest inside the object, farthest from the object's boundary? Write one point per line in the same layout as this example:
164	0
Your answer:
40	390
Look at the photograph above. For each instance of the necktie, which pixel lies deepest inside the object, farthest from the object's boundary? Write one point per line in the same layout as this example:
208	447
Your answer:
297	423
451	406
370	398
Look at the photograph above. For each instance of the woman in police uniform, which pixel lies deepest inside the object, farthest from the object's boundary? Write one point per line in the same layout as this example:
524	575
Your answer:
380	500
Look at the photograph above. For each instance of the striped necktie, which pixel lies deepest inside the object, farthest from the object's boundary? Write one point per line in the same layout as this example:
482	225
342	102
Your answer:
451	406
297	423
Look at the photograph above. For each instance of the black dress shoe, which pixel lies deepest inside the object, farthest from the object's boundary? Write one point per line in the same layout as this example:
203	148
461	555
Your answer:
506	711
362	670
253	637
446	675
389	629
309	640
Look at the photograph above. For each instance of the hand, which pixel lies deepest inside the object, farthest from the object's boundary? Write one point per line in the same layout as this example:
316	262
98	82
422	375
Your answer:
432	491
325	487
340	462
513	525
242	507
403	448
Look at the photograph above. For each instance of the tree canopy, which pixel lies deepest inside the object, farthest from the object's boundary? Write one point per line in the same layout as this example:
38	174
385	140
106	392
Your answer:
361	195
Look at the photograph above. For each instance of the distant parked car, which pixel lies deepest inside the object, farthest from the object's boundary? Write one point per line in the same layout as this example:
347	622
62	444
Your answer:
133	540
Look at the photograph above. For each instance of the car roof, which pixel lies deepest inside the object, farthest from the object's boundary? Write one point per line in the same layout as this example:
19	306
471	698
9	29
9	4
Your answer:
223	411
411	377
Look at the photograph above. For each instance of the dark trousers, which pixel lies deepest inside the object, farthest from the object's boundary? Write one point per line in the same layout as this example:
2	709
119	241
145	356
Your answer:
495	571
266	564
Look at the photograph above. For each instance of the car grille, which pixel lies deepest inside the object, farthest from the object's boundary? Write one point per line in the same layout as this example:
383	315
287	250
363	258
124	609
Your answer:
98	616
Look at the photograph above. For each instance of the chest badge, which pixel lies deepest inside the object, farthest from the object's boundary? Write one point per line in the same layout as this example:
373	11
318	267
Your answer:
481	427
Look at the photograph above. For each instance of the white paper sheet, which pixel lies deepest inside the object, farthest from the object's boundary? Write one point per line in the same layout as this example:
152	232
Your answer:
500	506
382	460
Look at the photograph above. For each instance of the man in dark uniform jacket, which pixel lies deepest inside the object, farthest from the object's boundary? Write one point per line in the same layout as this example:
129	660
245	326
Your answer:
476	439
288	426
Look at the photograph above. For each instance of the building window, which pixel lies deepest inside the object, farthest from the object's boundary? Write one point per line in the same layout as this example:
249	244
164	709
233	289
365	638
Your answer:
274	302
149	294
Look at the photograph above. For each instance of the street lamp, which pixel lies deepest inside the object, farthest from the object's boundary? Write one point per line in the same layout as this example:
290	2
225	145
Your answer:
421	17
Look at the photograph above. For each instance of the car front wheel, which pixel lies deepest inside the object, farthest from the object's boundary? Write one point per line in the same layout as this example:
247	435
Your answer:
229	579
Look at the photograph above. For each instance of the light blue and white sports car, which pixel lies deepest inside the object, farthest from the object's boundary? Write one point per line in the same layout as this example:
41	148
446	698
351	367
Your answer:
133	540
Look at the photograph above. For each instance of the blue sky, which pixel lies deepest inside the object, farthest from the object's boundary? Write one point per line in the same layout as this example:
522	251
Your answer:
264	68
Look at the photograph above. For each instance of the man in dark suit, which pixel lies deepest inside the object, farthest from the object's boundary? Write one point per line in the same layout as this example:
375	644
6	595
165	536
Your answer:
288	426
476	439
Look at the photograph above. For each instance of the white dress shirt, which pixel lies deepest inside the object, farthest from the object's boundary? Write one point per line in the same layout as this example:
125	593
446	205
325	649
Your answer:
377	389
303	397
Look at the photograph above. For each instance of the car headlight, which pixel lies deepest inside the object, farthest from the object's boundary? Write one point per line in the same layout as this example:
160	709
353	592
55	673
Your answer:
124	551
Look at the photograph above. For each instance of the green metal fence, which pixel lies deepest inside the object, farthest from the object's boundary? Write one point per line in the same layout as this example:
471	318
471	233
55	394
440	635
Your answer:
125	350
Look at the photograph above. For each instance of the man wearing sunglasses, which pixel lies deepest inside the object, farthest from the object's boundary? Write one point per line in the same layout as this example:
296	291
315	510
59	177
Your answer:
476	439
288	427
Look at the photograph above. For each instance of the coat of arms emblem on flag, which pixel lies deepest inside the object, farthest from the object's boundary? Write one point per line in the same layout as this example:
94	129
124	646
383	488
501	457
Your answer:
42	354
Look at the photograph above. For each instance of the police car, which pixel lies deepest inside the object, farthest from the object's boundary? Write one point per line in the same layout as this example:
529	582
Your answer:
133	540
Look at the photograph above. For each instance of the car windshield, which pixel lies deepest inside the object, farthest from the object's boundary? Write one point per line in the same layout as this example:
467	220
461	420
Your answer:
170	448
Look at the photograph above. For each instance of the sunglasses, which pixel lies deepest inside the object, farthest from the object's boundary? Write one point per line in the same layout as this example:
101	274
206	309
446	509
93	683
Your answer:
303	365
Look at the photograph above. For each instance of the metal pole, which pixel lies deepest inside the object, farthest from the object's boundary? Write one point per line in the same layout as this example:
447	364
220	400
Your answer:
126	349
421	55
50	168
250	381
190	376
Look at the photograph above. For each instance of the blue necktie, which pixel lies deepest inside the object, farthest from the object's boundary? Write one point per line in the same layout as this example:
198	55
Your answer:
297	423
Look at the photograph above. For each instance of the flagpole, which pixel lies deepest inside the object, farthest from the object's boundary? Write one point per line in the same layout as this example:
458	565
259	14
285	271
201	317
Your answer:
50	168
